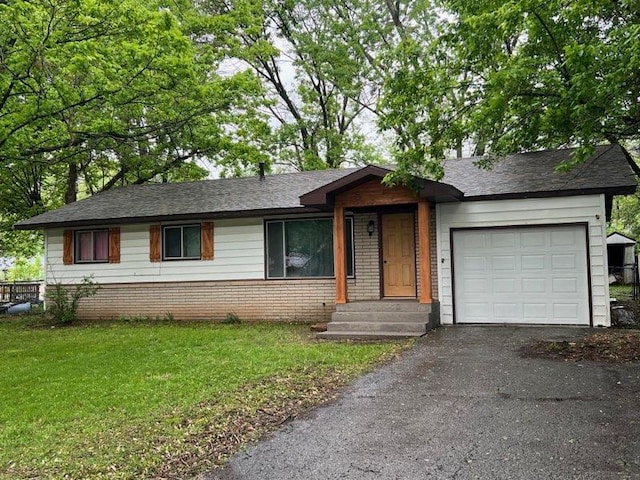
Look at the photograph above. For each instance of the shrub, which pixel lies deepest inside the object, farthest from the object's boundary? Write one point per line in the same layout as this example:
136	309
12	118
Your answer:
232	318
63	302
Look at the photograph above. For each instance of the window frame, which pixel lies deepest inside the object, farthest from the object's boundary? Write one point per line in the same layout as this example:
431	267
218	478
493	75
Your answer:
76	245
182	255
350	237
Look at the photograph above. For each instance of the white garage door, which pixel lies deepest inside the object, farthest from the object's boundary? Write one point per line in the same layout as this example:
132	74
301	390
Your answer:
534	275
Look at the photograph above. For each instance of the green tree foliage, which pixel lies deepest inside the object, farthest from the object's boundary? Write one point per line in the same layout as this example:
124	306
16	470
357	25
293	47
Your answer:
97	93
26	269
318	62
625	214
517	75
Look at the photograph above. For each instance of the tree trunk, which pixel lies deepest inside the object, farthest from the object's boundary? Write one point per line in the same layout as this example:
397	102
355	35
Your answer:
71	195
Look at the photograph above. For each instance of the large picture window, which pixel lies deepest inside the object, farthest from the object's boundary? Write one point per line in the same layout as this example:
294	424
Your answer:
92	246
181	242
304	248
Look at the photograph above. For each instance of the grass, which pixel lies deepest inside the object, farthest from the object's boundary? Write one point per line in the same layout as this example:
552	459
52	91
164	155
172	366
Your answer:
621	292
139	400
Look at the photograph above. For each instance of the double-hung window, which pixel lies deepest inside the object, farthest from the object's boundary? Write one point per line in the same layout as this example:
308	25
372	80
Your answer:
92	246
304	248
181	242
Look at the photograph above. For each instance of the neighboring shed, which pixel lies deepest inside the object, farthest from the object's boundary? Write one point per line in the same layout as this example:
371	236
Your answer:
621	253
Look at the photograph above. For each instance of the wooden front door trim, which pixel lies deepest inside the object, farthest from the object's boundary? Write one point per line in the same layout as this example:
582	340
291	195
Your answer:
397	271
389	201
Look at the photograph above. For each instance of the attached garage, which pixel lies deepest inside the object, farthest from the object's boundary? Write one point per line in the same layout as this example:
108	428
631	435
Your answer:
521	275
538	261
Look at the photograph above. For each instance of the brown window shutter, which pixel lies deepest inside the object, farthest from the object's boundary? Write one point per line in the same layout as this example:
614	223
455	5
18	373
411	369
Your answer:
206	231
67	247
114	245
155	243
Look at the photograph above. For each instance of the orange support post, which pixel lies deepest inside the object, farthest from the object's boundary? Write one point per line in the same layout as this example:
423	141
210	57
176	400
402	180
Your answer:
424	252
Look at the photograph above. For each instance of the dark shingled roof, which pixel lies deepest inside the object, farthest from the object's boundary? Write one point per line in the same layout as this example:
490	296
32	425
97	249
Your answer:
533	174
226	197
516	176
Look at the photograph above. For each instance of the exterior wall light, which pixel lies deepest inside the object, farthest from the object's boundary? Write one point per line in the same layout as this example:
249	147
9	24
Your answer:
371	227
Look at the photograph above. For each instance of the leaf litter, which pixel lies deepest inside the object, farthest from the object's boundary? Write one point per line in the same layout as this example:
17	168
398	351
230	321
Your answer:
610	346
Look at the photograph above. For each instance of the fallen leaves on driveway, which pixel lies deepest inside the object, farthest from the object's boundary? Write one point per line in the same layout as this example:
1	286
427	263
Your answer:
611	346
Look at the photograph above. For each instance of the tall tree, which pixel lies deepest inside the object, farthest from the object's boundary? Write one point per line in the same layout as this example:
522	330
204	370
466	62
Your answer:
517	75
99	93
322	65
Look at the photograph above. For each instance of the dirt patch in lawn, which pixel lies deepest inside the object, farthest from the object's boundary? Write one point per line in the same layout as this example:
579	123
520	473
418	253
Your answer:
612	347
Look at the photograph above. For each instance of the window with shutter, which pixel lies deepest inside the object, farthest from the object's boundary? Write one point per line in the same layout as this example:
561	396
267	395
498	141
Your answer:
86	246
181	242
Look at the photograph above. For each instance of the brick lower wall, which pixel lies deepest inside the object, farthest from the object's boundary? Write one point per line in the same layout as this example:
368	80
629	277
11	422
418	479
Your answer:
252	300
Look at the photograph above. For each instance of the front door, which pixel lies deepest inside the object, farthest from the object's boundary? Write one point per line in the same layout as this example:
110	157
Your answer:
398	255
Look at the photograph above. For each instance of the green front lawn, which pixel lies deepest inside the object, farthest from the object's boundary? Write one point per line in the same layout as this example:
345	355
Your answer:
139	400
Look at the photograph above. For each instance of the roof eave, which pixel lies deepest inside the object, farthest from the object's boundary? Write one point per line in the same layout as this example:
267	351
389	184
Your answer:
167	218
634	166
607	191
438	192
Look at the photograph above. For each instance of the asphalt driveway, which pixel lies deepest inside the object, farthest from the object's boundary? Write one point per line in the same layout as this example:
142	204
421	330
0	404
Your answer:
463	404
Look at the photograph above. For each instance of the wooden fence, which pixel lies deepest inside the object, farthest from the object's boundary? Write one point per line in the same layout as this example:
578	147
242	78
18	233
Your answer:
19	292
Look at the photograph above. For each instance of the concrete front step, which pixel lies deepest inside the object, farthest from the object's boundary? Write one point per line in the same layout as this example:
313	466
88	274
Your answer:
384	317
384	306
375	327
377	319
366	335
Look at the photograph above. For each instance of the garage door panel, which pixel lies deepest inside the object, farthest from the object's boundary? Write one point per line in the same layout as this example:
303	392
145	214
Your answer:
475	240
470	263
478	312
534	285
533	239
565	261
506	311
564	238
567	311
502	240
532	275
503	262
505	285
565	285
532	262
475	285
535	312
